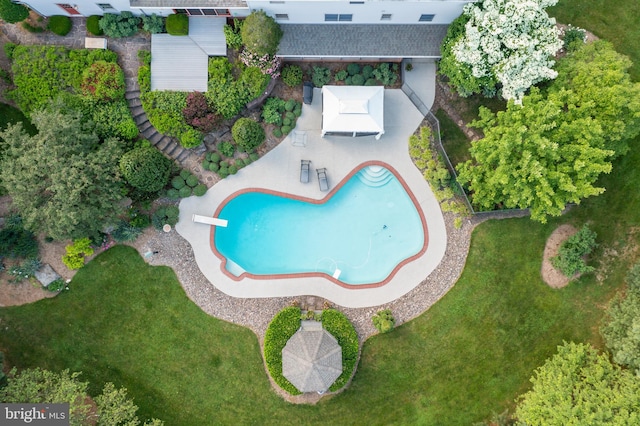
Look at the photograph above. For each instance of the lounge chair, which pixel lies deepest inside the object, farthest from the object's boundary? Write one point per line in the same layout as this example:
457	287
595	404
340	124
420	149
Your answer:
304	171
307	92
322	179
209	220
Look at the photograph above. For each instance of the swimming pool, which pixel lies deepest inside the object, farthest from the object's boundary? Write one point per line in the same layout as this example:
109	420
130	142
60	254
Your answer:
359	235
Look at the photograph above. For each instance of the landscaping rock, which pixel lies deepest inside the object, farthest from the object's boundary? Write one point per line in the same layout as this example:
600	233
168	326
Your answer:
46	275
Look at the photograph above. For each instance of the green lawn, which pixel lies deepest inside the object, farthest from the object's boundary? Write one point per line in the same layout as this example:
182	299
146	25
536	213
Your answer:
470	355
454	140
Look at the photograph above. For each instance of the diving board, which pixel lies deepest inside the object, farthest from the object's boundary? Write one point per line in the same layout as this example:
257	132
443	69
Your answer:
209	220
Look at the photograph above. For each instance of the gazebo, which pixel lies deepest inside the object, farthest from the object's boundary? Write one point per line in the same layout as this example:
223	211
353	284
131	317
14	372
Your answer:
353	110
312	358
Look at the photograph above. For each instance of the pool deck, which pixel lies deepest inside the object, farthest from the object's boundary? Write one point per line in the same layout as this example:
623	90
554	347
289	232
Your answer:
279	170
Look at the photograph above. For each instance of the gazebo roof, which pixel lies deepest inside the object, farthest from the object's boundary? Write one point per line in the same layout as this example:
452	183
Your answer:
312	358
353	109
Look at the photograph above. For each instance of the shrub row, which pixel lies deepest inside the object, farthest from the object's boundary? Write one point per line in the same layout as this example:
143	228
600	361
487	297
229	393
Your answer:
283	114
385	74
165	215
283	325
185	185
214	162
340	327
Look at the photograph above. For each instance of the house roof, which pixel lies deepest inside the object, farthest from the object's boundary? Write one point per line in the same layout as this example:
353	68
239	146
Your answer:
361	40
348	109
188	4
312	358
181	62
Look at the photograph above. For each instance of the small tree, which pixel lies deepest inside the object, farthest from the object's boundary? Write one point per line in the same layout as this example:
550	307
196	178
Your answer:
248	134
146	169
261	34
11	12
570	258
384	321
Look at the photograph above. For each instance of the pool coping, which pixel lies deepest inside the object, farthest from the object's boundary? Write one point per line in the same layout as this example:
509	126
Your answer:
331	193
279	170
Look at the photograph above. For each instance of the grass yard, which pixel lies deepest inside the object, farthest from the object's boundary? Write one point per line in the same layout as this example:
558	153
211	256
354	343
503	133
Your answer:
454	140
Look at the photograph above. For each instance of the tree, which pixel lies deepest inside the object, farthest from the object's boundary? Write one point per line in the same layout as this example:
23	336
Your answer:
63	180
601	87
510	42
261	34
533	157
146	169
578	386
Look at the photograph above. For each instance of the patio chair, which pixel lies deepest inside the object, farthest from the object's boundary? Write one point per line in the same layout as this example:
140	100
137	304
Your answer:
304	171
322	179
307	92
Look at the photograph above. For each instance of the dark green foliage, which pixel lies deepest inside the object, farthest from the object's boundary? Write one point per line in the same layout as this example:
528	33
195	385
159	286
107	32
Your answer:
340	327
239	163
386	74
286	122
60	25
247	134
213	157
178	182
246	161
164	110
320	76
226	148
223	172
353	69
228	95
184	174
15	241
341	75
165	215
384	321
144	56
214	167
138	219
371	82
27	26
357	80
153	23
261	34
285	130
570	258
200	190
271	114
292	75
232	34
56	285
233	169
254	156
277	132
283	325
125	232
173	194
573	37
93	25
12	13
123	25
192	181
367	72
289	105
348	81
114	119
185	192
297	111
146	169
177	24
25	270
103	81
8	50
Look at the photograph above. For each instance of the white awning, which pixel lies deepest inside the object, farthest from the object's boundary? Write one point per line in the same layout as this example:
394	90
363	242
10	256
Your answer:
353	110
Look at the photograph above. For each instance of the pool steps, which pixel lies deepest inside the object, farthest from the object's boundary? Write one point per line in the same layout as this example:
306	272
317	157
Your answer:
374	176
234	268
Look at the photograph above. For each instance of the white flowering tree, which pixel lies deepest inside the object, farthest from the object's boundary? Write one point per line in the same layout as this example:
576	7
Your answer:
506	44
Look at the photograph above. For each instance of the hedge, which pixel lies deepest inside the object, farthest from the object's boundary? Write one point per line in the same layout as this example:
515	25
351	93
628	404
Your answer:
340	327
93	25
59	24
177	24
283	325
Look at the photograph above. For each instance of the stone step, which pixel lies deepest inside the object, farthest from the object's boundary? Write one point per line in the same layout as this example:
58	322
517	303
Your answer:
183	155
171	148
141	118
132	94
134	102
136	111
144	126
153	136
163	142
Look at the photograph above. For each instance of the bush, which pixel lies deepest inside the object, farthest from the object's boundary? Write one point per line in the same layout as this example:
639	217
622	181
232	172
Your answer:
144	57
103	81
26	269
367	72
386	74
198	114
570	258
27	26
192	181
153	23
214	167
144	78
12	13
93	25
357	80
272	111
223	92
320	76
223	172
286	121
145	169
252	82
383	321
233	169
125	232
261	34
277	132
139	220
177	24
232	34
285	130
15	241
292	75
59	25
190	138
246	161
297	111
200	190
248	134
340	327
573	37
290	105
226	148
371	82
178	182
76	252
353	69
253	156
167	215
173	194
9	48
341	75
283	325
56	286
114	119
123	25
185	192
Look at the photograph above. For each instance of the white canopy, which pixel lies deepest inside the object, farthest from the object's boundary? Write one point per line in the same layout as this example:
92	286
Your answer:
353	110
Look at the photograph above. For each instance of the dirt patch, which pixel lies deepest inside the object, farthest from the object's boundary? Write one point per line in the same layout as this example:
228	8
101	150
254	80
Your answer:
553	277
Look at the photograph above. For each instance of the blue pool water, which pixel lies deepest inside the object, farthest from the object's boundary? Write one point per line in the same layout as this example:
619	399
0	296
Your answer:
365	229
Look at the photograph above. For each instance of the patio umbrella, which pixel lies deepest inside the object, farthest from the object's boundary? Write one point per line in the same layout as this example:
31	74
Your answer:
312	358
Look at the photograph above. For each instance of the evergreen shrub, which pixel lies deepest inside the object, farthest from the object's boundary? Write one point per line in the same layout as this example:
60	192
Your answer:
59	25
177	24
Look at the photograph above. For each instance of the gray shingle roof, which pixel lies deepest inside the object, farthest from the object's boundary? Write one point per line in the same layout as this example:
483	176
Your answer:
361	40
188	4
312	359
